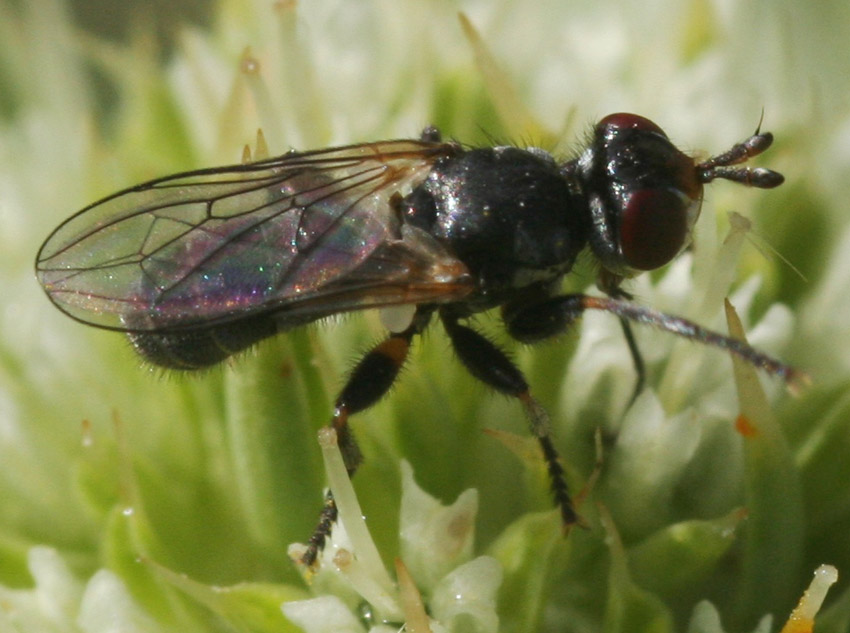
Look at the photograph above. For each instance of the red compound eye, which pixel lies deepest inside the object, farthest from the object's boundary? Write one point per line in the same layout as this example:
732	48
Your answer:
654	227
627	121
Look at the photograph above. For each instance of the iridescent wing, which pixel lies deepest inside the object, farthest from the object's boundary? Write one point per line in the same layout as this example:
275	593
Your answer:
303	235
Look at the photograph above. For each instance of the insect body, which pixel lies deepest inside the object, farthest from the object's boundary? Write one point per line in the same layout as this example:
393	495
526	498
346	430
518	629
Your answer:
198	266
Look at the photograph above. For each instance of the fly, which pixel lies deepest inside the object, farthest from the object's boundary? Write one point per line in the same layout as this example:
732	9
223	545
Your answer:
198	266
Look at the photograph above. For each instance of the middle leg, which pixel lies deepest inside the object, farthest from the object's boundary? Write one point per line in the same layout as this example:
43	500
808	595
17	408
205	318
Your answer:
490	365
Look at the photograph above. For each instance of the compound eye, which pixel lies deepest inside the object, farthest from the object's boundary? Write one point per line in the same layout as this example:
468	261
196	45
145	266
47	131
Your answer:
654	227
627	121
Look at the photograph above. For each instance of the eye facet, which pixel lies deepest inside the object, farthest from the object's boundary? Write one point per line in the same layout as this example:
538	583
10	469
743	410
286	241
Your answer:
654	227
629	121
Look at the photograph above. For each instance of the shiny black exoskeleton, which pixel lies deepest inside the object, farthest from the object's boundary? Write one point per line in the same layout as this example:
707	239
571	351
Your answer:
510	215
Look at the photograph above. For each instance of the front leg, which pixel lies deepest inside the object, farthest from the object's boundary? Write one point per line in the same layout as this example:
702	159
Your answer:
542	316
552	316
490	365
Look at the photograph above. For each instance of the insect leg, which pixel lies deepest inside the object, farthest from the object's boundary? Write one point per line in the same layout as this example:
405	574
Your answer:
490	365
553	316
613	290
369	381
609	283
637	359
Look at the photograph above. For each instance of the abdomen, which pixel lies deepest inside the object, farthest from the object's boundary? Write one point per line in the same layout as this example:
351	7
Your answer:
198	348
